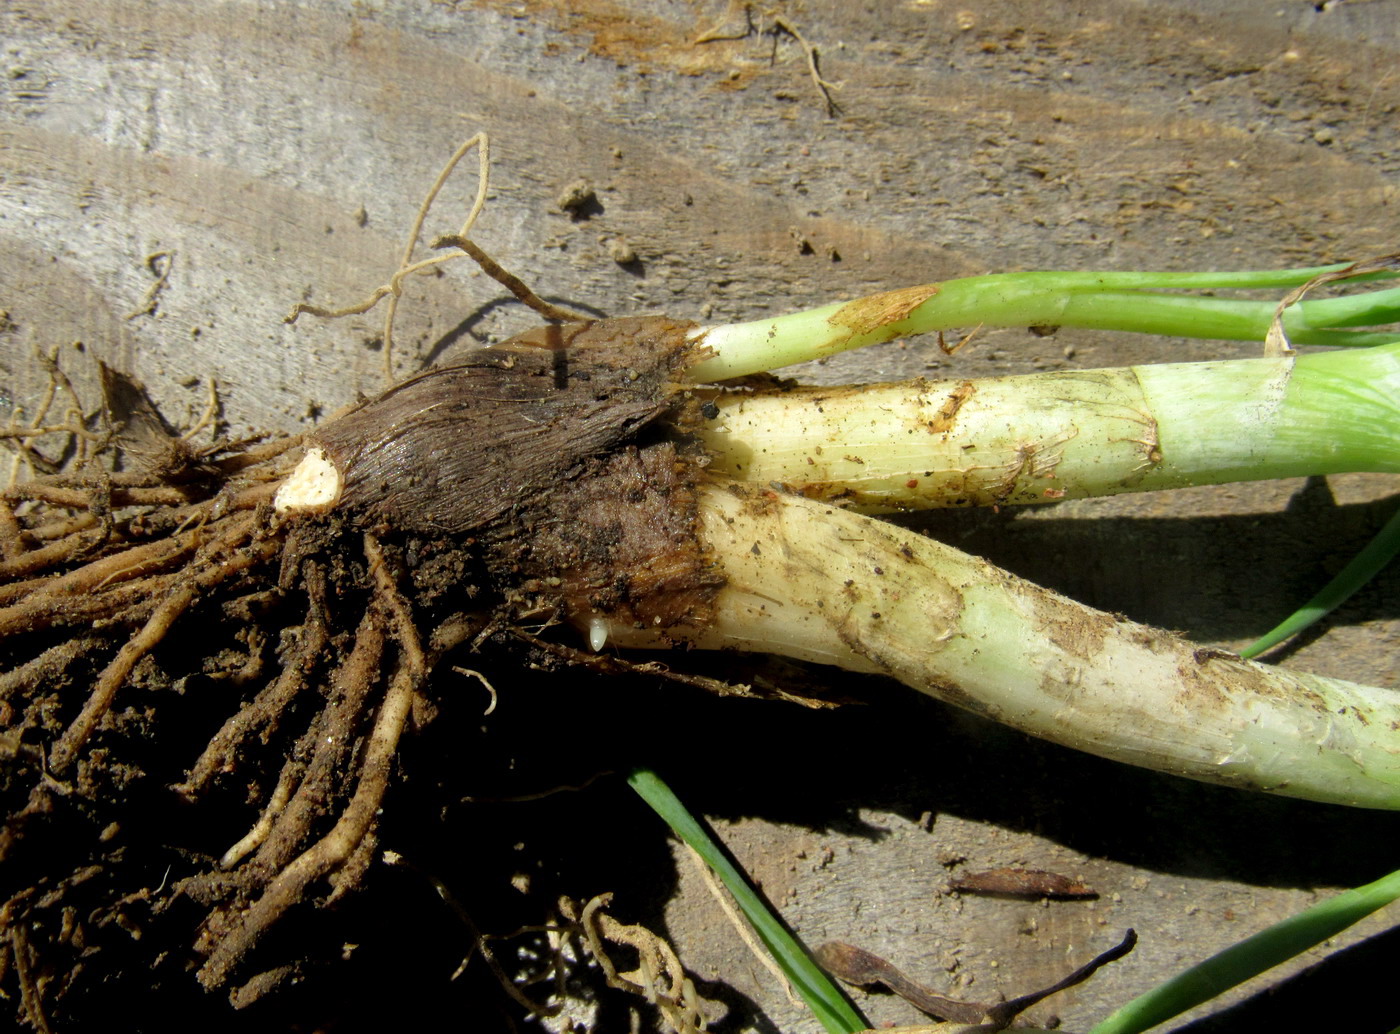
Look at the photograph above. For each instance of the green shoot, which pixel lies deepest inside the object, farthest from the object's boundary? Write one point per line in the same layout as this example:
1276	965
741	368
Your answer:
1113	301
824	998
1250	957
1363	567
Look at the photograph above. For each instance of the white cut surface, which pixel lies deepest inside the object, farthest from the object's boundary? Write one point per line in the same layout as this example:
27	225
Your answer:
314	485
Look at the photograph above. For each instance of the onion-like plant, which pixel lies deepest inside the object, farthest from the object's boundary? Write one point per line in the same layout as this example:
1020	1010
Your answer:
600	475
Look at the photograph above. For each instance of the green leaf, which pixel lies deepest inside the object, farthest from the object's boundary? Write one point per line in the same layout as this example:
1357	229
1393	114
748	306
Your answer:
830	1005
1363	567
1250	957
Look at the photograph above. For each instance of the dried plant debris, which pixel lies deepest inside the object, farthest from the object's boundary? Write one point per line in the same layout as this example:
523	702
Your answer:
656	974
58	433
738	22
865	969
1022	883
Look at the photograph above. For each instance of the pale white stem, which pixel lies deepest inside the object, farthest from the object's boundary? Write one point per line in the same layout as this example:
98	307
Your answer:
810	581
1042	437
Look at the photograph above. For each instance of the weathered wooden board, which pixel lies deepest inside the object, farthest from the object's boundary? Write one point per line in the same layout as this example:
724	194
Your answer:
278	152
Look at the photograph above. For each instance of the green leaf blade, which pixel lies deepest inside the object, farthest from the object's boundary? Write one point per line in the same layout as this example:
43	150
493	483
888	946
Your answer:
827	1002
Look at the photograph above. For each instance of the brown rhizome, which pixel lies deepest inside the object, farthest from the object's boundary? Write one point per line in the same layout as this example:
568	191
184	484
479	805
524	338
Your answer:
175	579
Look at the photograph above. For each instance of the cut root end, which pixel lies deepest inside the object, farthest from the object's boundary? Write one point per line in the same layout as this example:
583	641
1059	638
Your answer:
313	486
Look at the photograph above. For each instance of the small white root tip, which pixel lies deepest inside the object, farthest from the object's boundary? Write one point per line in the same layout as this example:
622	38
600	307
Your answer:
597	634
313	485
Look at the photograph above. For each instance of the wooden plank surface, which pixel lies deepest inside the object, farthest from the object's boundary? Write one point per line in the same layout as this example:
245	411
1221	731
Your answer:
278	152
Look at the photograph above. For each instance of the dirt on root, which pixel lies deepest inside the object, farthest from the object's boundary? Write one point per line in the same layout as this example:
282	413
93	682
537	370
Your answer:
215	713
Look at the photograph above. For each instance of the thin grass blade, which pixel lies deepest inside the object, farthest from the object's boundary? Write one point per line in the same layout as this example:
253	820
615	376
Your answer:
1363	567
1250	957
827	1002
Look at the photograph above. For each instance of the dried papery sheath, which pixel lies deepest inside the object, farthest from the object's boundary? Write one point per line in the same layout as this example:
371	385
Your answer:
460	446
539	458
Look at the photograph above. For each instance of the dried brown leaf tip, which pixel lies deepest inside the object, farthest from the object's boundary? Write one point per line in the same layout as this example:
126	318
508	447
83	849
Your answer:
1021	883
865	315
